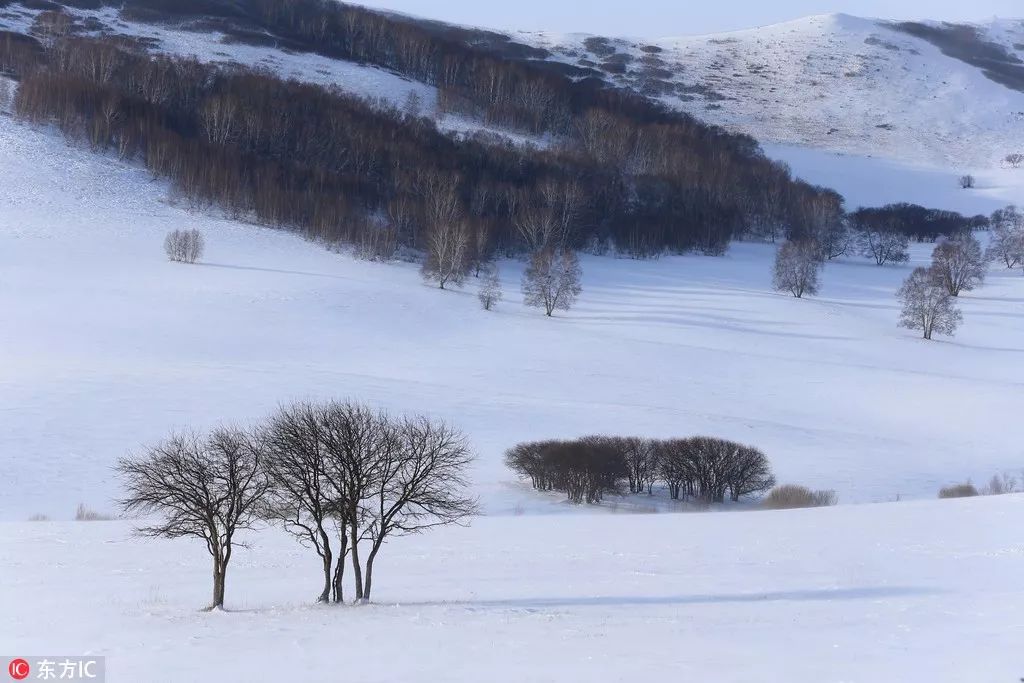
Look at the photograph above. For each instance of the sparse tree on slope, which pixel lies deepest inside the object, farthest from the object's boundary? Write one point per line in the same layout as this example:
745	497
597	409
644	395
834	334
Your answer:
204	487
552	280
883	245
927	305
447	254
958	264
1007	243
184	246
490	287
797	266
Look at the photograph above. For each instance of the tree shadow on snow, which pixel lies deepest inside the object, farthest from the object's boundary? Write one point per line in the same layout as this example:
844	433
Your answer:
812	595
272	270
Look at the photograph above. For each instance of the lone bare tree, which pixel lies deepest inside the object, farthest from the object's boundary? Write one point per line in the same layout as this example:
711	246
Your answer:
184	246
552	280
797	267
416	485
1015	159
447	260
927	305
883	245
490	287
966	182
1007	242
205	487
959	264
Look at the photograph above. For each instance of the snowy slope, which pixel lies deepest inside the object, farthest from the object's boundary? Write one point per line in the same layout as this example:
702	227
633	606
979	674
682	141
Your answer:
925	591
836	82
106	346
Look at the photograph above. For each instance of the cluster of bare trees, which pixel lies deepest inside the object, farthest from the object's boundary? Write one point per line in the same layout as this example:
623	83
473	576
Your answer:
339	476
184	246
928	294
702	469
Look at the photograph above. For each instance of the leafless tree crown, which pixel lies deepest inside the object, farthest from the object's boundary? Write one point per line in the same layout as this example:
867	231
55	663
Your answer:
184	246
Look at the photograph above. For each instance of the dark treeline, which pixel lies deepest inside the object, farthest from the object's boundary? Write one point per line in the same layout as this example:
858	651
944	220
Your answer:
917	222
341	168
702	469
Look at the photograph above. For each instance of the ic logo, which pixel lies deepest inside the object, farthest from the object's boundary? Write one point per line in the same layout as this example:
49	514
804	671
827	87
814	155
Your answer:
18	669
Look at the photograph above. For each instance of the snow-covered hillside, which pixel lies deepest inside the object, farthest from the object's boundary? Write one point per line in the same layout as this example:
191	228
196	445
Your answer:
835	82
919	591
107	346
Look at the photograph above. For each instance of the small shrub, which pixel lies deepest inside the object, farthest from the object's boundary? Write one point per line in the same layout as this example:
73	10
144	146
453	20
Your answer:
84	514
1000	484
967	182
39	517
184	246
788	496
965	490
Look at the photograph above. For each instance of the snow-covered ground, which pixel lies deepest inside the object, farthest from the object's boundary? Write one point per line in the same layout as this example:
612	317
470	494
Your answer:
912	591
874	181
837	82
106	346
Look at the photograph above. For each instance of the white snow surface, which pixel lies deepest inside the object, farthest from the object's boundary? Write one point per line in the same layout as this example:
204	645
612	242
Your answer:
837	82
106	347
912	591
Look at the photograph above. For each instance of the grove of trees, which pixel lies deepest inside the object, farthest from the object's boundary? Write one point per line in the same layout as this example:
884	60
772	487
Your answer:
341	477
701	469
377	176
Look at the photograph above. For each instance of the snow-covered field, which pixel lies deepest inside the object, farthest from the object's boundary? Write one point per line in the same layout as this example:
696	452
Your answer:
107	346
837	82
913	591
874	181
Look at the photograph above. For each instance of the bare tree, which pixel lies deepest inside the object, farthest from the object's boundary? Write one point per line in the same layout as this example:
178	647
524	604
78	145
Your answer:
676	466
447	260
797	266
418	484
6	94
966	182
883	245
834	239
959	264
205	487
184	246
301	497
748	472
927	305
641	463
552	280
1007	242
490	288
1015	159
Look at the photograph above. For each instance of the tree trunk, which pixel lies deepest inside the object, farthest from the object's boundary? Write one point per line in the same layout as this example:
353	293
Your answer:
357	571
339	571
369	571
220	570
328	559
